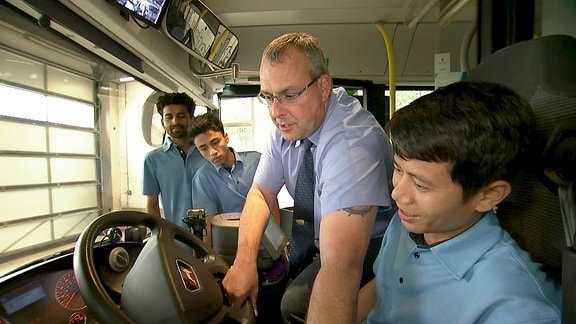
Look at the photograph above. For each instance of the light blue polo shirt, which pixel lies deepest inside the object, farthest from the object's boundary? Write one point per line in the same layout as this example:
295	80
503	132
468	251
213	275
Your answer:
167	174
479	276
352	161
219	191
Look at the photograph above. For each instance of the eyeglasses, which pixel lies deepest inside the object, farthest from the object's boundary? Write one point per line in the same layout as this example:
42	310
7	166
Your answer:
285	99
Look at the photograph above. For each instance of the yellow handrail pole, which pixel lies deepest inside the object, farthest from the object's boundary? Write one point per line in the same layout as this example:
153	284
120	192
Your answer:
391	66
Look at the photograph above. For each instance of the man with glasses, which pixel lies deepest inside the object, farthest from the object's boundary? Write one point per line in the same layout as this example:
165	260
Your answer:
352	167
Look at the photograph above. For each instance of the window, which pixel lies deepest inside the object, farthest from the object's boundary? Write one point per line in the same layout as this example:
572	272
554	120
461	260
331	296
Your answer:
238	118
404	97
49	155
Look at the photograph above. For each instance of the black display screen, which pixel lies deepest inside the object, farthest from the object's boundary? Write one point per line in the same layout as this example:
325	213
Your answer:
150	11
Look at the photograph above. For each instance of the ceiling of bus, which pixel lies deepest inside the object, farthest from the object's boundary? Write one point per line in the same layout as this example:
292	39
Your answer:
302	12
351	37
352	33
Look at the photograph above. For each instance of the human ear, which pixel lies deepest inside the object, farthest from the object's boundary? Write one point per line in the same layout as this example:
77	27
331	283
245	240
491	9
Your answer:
226	138
326	86
492	194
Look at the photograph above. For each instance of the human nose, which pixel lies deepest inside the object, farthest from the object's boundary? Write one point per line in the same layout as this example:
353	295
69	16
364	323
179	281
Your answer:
276	108
399	192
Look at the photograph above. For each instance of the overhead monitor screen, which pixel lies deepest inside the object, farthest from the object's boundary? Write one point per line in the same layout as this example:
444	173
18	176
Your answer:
149	11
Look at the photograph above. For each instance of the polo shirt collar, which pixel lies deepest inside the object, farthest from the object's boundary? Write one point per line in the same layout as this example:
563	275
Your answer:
168	142
460	253
236	156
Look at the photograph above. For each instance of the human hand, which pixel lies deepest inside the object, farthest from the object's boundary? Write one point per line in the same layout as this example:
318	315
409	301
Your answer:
240	283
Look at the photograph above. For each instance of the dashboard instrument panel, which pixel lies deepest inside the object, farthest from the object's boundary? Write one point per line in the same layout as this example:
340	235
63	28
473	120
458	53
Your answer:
47	291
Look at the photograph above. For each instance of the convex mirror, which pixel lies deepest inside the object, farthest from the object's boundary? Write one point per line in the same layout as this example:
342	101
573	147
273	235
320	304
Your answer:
197	29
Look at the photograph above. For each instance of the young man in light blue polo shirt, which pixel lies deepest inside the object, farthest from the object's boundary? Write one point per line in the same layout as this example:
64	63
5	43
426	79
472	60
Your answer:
221	185
169	169
444	257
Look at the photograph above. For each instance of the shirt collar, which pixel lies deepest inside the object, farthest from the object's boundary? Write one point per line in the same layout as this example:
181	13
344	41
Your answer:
168	142
315	137
461	252
237	157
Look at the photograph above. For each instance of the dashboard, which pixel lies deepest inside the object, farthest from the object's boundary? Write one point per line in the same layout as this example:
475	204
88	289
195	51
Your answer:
47	291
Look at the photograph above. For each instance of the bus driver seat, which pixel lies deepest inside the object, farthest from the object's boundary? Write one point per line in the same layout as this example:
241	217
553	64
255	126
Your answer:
541	211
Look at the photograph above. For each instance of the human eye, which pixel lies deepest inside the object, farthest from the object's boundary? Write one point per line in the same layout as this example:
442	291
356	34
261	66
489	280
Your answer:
420	186
266	98
289	97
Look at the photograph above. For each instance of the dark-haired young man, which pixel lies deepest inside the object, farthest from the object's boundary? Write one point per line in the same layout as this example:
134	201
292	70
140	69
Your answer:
169	169
221	185
444	257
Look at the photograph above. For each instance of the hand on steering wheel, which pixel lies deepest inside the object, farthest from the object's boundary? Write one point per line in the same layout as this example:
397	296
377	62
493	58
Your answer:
241	283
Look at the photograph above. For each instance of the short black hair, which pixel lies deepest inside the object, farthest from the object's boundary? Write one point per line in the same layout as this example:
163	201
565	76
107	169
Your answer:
481	130
206	122
175	98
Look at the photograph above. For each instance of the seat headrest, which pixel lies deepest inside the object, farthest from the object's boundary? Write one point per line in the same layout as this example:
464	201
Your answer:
559	155
546	62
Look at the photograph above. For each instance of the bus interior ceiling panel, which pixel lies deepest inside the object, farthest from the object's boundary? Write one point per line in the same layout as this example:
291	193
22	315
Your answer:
350	37
352	58
146	53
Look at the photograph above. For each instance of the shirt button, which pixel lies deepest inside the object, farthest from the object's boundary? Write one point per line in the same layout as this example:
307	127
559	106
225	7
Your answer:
417	255
401	280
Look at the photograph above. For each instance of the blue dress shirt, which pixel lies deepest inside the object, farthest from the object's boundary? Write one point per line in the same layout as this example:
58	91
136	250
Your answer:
219	191
478	276
352	161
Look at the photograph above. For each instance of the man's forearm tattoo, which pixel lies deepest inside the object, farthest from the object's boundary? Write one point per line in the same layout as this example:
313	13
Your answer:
363	210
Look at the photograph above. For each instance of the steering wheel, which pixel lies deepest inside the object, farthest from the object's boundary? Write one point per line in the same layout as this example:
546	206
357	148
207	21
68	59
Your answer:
175	279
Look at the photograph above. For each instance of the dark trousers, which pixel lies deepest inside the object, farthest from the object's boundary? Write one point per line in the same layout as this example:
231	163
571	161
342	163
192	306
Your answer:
294	305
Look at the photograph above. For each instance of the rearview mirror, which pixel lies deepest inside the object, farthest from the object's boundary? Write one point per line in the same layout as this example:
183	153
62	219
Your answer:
197	29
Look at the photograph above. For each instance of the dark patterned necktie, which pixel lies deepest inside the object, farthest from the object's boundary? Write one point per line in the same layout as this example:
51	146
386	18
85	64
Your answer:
302	249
